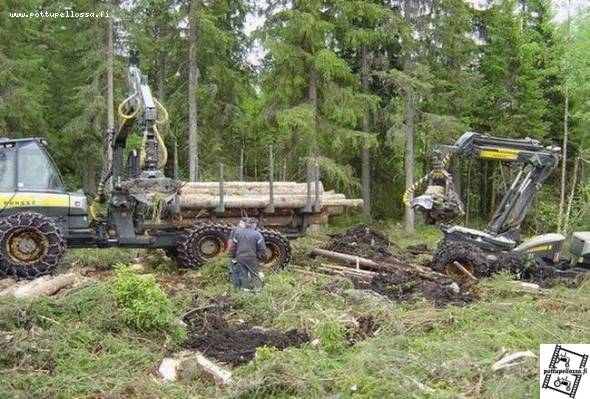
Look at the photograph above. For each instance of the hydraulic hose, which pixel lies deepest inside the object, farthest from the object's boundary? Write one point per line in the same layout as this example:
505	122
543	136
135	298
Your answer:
163	149
164	111
161	144
120	108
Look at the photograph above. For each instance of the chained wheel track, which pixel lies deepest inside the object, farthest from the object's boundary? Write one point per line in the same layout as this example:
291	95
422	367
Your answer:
48	236
190	256
280	249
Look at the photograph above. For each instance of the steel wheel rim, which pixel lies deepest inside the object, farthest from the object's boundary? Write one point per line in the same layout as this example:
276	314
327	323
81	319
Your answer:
273	255
27	245
209	247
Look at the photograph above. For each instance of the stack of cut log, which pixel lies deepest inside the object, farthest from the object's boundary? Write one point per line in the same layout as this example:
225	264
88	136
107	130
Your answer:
248	195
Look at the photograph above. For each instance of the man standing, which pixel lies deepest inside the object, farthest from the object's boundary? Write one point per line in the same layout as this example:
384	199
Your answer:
246	246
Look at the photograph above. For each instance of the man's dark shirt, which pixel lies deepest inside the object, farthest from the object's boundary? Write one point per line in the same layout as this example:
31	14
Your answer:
248	245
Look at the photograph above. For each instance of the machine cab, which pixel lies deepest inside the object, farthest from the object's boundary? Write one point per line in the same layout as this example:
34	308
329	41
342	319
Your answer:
30	181
26	167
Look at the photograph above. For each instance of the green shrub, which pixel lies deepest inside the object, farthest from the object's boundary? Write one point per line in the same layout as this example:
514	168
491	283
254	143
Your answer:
141	302
332	336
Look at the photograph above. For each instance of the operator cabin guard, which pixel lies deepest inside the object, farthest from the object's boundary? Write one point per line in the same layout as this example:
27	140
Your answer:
246	247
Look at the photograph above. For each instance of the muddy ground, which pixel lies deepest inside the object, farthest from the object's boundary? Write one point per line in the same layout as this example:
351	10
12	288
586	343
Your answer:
234	344
362	241
398	286
401	286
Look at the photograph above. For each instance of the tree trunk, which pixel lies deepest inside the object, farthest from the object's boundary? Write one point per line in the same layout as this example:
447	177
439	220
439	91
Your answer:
110	102
366	154
313	99
570	200
409	158
161	78
565	126
193	77
563	161
409	112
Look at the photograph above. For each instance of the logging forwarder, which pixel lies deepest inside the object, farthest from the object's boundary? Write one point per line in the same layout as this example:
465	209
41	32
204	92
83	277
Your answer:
136	205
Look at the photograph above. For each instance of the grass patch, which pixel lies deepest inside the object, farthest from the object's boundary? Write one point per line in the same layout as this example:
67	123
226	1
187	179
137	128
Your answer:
78	344
427	352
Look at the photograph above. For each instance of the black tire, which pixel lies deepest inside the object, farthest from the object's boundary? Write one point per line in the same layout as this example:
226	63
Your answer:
469	256
31	245
191	253
278	250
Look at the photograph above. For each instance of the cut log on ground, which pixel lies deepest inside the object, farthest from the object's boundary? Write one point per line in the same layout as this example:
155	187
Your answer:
183	365
512	360
210	370
388	266
46	285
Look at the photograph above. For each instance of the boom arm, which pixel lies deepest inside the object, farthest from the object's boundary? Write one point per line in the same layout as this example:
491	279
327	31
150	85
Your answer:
140	109
537	164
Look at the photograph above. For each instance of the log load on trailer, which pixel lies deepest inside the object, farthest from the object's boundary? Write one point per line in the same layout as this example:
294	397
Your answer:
283	209
136	206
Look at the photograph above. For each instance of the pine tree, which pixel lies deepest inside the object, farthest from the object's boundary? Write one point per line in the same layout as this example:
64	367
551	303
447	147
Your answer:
513	102
24	76
361	28
312	99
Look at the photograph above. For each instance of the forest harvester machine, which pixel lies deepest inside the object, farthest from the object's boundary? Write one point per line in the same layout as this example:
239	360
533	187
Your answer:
481	252
137	206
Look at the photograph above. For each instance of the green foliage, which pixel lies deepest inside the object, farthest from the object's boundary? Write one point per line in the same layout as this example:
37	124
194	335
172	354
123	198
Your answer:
546	211
142	303
265	353
331	334
216	270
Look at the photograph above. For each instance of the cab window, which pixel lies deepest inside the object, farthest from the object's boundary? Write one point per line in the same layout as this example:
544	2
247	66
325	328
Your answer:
7	169
36	171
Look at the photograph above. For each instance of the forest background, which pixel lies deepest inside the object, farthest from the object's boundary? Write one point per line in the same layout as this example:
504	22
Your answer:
364	88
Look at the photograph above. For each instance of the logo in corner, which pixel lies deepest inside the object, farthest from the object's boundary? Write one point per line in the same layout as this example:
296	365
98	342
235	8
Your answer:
563	372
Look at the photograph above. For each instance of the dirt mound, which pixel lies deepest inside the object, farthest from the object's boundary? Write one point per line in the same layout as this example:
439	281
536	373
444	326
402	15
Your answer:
400	286
548	277
211	334
363	241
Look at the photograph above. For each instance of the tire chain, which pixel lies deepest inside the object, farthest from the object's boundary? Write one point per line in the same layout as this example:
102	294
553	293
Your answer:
284	245
186	251
42	224
447	252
